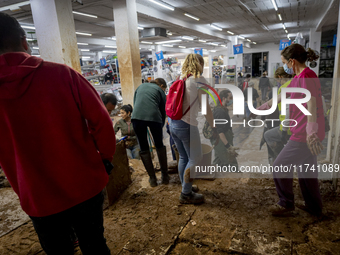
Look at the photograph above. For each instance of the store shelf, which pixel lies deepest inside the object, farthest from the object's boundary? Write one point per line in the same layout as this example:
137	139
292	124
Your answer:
93	77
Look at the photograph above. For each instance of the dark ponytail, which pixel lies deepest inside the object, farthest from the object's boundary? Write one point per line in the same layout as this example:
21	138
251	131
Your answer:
311	55
127	108
298	52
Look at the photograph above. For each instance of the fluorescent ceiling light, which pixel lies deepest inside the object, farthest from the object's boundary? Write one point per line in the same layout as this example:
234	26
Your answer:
80	43
140	28
187	38
275	6
108	46
80	33
288	37
163	5
216	27
284	27
191	16
248	40
241	37
169	33
213	51
279	16
30	39
109	51
28	27
85	57
202	41
150	49
84	50
286	31
254	42
171	41
84	14
183	47
36	55
223	45
36	48
14	7
146	42
230	32
113	38
167	45
215	44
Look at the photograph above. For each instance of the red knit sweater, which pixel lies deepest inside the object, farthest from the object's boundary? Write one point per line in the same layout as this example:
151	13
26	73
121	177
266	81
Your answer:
54	132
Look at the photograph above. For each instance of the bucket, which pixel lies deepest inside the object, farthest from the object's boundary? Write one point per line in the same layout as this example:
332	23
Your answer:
205	162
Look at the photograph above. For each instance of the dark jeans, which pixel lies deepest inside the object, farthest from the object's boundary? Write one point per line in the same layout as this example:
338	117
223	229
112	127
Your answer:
87	221
141	129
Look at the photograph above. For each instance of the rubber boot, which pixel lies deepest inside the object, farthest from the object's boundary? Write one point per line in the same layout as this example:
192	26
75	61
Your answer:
163	161
147	162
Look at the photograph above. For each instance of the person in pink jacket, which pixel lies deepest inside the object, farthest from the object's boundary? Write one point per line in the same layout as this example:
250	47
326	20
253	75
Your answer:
55	136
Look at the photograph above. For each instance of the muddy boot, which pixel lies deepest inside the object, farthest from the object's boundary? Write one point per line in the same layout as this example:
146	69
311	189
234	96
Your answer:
147	162
192	198
163	161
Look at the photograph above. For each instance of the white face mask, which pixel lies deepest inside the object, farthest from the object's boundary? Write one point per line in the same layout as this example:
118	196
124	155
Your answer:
287	69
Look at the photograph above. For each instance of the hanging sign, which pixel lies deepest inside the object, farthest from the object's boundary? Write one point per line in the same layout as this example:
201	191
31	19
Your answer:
159	55
334	40
103	62
199	51
285	43
238	49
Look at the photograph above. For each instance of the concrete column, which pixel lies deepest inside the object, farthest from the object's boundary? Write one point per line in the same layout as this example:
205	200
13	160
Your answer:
333	147
159	73
54	23
315	44
210	64
126	28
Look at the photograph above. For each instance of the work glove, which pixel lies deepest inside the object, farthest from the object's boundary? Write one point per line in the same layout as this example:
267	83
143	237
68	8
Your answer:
108	166
313	141
231	152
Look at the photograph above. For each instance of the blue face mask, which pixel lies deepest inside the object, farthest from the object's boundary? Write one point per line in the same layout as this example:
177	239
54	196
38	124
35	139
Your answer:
288	70
230	102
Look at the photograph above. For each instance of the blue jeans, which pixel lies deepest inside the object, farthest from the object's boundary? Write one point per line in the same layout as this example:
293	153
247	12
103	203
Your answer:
186	136
133	152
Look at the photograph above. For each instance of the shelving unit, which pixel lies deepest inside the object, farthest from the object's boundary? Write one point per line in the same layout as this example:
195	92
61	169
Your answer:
327	56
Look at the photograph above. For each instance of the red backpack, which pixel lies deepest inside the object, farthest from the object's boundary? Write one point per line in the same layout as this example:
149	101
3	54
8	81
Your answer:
174	102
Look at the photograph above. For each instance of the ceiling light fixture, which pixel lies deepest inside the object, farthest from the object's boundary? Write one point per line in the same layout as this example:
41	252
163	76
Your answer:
169	33
216	27
275	6
36	56
213	51
109	51
36	48
223	45
248	40
163	5
30	39
279	16
230	32
241	37
183	47
254	42
14	7
286	31
108	46
140	28
191	16
150	49
84	50
80	43
171	41
187	38
215	44
81	33
167	45
284	27
202	41
28	27
146	42
85	57
113	38
84	14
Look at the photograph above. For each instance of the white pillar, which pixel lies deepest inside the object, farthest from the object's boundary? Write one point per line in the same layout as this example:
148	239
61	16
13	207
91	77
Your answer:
99	55
54	23
127	38
210	64
159	72
315	44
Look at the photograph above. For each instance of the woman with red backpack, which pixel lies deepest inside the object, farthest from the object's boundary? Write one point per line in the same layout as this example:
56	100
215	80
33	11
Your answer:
184	129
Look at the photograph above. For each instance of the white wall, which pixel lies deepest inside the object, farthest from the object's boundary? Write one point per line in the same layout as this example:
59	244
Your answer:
274	55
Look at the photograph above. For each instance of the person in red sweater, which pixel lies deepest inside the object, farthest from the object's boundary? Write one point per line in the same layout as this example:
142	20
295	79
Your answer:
55	136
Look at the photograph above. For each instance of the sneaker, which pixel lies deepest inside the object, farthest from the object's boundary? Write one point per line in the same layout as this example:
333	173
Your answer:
192	198
278	210
153	182
302	205
194	188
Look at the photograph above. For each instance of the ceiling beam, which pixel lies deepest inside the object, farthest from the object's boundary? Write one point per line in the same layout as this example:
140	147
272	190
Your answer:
326	16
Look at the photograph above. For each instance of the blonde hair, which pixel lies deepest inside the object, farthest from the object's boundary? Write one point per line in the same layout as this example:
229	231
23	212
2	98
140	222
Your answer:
191	66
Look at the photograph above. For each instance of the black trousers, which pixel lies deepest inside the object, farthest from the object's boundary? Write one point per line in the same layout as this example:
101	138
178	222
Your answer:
140	128
87	221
